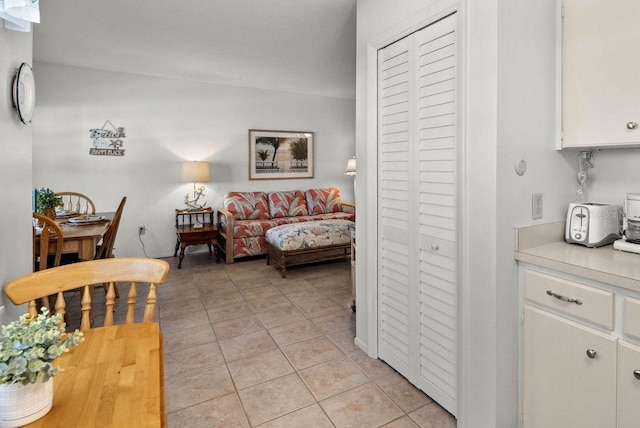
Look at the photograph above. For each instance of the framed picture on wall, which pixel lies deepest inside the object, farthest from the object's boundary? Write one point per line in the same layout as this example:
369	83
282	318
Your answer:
280	154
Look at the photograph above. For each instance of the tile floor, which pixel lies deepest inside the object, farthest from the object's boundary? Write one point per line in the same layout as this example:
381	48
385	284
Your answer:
247	348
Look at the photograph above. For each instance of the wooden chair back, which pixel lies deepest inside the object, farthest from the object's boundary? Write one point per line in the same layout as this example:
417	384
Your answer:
74	201
105	249
85	275
50	237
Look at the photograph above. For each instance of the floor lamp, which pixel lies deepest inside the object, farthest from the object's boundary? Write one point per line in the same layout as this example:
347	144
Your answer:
351	170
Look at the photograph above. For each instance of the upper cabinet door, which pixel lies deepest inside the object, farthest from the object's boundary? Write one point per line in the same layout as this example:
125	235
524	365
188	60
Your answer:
601	74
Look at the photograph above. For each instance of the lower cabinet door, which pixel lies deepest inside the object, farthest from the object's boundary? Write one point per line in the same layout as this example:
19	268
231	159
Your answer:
628	385
569	373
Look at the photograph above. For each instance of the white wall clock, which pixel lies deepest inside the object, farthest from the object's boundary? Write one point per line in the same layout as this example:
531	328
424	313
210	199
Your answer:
24	93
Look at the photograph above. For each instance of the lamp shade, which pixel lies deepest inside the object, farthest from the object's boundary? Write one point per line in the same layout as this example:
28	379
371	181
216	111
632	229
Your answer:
351	167
195	172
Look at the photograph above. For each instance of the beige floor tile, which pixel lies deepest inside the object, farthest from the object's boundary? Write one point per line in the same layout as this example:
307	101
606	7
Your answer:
181	305
227	312
281	316
247	345
270	303
224	411
372	367
335	321
433	416
311	352
307	293
364	406
308	417
344	339
222	299
197	387
403	422
407	396
183	321
237	326
215	289
333	377
259	368
317	307
275	398
297	331
180	362
188	338
260	293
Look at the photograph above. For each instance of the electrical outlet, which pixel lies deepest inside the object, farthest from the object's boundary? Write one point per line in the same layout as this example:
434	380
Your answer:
141	230
536	206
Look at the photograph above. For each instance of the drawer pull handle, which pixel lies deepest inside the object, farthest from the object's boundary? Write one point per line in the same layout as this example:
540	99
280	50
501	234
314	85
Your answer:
591	353
564	298
632	125
636	374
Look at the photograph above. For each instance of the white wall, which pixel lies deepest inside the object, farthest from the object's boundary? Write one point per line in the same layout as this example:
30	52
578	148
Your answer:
166	122
15	170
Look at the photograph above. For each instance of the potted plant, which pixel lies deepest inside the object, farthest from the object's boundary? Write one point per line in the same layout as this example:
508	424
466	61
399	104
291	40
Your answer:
47	201
28	347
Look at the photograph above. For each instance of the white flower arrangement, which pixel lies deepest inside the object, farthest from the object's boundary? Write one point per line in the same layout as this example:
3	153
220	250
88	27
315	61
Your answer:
29	345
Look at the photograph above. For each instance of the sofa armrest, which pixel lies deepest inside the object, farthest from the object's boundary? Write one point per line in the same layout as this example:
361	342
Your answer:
225	233
348	208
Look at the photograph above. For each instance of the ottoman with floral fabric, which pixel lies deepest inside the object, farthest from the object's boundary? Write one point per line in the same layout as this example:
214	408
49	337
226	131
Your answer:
308	242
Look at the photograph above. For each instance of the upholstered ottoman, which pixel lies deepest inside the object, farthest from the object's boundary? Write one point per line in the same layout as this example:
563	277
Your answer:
308	242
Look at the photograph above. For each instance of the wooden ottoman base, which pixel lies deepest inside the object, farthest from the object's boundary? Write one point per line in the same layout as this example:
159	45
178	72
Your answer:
303	256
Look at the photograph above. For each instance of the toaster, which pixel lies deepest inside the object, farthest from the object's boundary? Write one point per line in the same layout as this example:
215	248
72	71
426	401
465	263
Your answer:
593	224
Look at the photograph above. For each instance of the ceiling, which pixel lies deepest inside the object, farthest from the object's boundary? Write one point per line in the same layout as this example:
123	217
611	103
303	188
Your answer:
300	46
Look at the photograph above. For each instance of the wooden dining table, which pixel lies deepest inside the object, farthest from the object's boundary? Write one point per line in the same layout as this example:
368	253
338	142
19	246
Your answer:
112	379
83	238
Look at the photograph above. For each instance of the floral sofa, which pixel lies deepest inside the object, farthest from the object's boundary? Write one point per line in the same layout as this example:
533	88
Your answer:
246	216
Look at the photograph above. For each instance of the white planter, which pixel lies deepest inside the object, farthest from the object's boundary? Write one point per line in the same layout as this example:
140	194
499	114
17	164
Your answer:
22	404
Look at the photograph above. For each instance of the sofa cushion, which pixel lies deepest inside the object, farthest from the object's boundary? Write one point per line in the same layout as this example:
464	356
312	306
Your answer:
287	204
248	228
321	201
247	205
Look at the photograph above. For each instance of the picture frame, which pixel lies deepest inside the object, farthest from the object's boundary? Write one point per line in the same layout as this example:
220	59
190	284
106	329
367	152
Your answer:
275	155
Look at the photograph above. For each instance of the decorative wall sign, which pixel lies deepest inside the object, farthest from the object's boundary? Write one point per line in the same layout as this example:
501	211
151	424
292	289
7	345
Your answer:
280	154
107	142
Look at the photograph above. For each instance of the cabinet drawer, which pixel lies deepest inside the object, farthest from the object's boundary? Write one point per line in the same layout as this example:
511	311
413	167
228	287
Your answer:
591	304
632	317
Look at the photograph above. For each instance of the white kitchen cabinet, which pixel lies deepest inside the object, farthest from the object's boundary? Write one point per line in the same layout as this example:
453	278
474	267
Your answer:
563	386
580	365
628	398
600	69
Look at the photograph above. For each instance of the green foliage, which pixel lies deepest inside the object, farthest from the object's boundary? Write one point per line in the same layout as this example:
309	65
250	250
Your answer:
263	154
29	345
298	149
46	198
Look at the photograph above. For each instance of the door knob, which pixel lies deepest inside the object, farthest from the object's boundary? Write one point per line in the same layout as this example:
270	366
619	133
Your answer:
636	374
591	353
632	125
435	246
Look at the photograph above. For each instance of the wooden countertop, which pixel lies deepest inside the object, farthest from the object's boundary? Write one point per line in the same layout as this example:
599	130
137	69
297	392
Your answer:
544	245
114	378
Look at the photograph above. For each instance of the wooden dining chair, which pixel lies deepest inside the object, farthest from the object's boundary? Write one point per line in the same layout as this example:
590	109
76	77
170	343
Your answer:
136	271
47	238
77	202
47	245
105	248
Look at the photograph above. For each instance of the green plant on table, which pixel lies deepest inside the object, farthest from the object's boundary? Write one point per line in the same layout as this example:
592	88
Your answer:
29	345
47	198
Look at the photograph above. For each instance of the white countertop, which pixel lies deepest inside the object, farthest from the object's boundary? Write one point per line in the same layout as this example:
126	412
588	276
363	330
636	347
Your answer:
544	245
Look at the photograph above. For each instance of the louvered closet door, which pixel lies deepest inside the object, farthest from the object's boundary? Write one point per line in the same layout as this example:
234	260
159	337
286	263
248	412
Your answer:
417	145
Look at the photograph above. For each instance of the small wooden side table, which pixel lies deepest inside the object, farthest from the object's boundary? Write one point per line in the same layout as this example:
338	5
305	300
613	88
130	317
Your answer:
195	227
